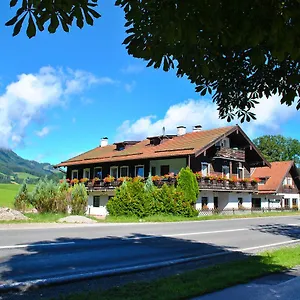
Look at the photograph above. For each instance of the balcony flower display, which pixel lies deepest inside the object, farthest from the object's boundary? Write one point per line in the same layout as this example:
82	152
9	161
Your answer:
74	181
109	179
84	180
254	181
124	178
156	178
137	178
198	175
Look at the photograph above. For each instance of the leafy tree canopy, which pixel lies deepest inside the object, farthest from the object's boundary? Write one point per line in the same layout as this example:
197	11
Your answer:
238	51
279	148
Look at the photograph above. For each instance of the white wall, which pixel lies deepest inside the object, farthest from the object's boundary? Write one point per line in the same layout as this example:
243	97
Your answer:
226	200
98	211
175	164
290	197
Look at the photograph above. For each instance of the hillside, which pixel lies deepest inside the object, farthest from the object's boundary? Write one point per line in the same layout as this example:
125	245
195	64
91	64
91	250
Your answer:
11	163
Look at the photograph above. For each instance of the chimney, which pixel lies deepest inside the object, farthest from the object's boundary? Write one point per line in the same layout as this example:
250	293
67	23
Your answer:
197	128
104	142
181	130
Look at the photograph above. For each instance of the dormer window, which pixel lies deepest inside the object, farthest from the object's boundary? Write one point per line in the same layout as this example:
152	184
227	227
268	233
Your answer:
123	145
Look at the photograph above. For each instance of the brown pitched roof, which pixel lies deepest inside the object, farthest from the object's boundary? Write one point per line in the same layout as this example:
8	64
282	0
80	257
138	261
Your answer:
184	145
275	175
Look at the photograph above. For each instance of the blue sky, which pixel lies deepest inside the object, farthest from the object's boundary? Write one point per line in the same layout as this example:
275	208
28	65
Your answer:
61	93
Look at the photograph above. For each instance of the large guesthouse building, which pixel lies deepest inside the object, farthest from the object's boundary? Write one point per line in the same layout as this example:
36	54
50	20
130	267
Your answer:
225	160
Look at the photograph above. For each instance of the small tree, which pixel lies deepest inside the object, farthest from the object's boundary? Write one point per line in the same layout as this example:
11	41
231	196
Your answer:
188	185
79	199
63	194
149	186
22	199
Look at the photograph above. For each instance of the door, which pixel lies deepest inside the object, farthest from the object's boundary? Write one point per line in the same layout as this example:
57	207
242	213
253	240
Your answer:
164	170
216	202
204	203
256	203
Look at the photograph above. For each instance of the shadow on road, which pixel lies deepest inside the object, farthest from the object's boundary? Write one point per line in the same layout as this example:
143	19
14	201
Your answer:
73	256
291	231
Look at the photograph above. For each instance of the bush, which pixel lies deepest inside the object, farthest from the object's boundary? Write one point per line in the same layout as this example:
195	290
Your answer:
141	200
79	199
188	185
63	197
131	199
22	199
44	196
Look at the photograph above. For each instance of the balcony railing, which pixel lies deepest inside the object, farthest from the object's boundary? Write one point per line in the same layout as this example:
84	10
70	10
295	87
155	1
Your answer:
227	185
204	184
231	154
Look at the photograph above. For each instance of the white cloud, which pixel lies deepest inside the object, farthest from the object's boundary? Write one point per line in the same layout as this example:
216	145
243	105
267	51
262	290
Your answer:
31	94
270	115
43	132
133	69
130	86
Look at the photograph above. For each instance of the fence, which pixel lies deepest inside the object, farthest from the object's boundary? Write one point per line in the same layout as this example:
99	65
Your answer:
245	211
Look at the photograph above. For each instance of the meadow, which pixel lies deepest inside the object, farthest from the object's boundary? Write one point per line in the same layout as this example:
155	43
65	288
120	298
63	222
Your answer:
8	192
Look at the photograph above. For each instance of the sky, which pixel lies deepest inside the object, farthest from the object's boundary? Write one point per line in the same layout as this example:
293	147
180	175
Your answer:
61	93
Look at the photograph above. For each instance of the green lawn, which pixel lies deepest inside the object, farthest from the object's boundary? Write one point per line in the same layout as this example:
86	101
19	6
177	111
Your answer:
23	175
8	192
201	281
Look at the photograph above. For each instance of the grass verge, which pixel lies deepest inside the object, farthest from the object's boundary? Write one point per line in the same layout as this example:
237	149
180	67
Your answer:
201	281
37	218
170	218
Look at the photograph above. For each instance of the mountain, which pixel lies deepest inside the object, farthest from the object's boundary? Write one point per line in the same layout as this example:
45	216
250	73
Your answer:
11	163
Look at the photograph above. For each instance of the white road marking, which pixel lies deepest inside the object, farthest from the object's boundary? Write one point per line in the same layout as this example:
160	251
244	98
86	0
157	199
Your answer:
35	245
267	246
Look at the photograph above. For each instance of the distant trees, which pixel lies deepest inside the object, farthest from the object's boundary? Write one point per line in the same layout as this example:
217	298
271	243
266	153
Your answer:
278	148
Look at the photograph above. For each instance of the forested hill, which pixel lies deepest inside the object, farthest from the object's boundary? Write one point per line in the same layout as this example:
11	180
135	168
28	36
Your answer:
11	163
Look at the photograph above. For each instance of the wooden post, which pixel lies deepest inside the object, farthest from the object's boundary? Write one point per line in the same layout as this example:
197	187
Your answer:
230	169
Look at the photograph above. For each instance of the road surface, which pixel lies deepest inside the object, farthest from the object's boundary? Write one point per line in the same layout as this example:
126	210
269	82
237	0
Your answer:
60	252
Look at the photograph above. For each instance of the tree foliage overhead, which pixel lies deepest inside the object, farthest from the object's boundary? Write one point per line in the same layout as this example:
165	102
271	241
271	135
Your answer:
238	51
278	148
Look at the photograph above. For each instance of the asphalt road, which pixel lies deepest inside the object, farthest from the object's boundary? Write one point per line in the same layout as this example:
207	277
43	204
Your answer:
30	254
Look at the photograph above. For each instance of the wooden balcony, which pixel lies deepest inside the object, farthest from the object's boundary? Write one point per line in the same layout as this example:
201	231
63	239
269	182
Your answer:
227	186
204	184
230	154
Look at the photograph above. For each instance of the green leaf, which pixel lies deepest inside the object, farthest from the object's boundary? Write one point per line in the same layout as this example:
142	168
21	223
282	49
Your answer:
12	21
31	29
53	24
94	13
13	3
18	26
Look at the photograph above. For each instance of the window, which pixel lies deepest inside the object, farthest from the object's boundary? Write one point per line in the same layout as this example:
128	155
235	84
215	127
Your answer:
164	170
286	202
96	201
294	202
98	172
204	169
262	181
225	171
240	173
225	143
124	171
86	173
216	202
114	172
153	171
139	171
74	174
240	201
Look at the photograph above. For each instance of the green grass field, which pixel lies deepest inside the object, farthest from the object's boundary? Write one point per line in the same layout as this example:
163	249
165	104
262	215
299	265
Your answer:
8	192
23	175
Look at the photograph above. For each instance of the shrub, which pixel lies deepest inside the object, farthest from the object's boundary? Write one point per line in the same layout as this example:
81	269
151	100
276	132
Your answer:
22	199
79	199
188	185
44	196
63	195
131	199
